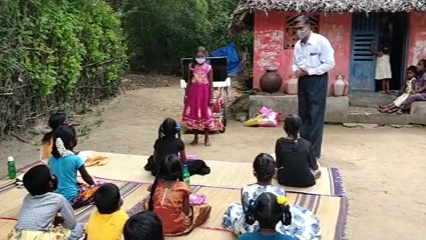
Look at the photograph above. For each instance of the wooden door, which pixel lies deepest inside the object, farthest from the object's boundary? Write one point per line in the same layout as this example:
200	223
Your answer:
363	63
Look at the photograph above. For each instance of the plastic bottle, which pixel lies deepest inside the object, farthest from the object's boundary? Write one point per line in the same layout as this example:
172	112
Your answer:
186	175
11	168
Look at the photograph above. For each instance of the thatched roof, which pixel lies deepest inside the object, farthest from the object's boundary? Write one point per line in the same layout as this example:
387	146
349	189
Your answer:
243	15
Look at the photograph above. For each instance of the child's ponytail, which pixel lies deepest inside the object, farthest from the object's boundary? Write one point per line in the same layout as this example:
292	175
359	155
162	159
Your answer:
285	210
152	194
286	215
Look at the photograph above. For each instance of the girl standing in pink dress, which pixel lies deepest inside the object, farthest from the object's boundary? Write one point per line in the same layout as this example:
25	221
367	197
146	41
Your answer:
197	115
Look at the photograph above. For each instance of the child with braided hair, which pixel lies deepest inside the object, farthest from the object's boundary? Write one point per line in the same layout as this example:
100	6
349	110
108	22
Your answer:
296	164
168	142
268	209
305	224
65	165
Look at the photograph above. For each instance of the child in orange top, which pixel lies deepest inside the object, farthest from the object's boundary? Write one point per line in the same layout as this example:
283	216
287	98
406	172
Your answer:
56	120
107	222
169	199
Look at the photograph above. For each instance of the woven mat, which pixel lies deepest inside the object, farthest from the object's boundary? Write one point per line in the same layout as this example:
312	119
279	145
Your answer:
11	197
233	175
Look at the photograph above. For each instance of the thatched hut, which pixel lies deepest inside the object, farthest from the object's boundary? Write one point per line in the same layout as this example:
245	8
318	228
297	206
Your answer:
350	25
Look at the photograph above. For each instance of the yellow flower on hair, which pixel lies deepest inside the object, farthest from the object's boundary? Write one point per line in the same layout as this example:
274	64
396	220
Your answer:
282	200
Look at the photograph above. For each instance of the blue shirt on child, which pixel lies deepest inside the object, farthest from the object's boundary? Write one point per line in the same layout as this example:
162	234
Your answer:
260	236
65	169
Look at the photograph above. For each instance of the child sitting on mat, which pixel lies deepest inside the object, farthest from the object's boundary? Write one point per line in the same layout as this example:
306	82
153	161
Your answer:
64	164
107	222
55	121
169	199
38	214
143	226
305	224
169	142
296	164
268	209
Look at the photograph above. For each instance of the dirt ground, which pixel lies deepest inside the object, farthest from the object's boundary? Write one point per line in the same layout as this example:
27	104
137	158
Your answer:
383	169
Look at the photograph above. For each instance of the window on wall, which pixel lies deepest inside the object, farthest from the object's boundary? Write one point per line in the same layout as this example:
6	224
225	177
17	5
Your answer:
290	37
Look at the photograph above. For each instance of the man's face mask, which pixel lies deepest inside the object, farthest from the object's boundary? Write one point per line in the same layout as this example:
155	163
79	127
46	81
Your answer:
302	33
200	60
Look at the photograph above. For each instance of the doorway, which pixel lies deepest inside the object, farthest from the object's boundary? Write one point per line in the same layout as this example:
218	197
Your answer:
382	29
393	30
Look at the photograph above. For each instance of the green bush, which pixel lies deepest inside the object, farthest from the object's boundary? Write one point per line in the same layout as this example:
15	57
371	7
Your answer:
56	54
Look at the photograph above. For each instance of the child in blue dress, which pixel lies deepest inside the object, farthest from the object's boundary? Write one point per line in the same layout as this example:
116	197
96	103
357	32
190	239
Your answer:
268	210
304	226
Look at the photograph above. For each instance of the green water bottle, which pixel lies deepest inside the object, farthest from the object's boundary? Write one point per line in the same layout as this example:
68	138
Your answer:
11	168
186	175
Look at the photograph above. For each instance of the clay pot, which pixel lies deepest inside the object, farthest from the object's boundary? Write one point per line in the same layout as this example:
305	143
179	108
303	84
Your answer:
340	86
271	82
291	85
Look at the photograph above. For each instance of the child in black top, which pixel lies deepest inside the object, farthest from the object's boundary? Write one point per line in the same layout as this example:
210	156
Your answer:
166	144
295	161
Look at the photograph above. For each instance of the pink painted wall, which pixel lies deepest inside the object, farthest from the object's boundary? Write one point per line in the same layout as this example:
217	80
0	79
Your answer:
417	40
269	52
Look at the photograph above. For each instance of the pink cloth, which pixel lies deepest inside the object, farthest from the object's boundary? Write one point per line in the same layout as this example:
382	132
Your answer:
196	113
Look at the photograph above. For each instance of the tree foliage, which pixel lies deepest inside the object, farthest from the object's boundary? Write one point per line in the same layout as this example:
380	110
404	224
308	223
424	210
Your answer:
160	32
55	53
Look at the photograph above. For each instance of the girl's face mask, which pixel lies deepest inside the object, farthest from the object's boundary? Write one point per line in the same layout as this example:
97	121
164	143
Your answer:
200	60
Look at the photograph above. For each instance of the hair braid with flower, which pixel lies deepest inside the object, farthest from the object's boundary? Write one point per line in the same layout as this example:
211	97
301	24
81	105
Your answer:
268	209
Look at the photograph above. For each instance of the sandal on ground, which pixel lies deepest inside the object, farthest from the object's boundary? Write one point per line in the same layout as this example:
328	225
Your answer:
392	111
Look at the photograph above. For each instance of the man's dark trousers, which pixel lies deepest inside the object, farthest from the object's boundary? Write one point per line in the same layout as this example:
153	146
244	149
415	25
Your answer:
312	96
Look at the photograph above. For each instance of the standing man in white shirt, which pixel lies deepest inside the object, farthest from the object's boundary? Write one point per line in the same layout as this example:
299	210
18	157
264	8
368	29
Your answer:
313	58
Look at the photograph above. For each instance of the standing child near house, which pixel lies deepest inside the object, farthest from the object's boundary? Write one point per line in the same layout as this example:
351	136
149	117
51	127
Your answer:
64	164
409	88
197	115
169	199
55	121
383	66
107	222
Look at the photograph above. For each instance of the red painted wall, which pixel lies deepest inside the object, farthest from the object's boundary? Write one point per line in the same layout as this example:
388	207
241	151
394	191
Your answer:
269	49
417	39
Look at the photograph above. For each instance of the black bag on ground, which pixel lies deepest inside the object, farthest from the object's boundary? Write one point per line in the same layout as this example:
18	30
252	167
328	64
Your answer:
194	167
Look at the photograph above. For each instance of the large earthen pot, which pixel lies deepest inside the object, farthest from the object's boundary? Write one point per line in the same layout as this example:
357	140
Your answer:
271	82
340	86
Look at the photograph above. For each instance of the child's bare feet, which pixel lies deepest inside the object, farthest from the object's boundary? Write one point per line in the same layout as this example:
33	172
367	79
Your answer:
207	143
317	174
194	142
